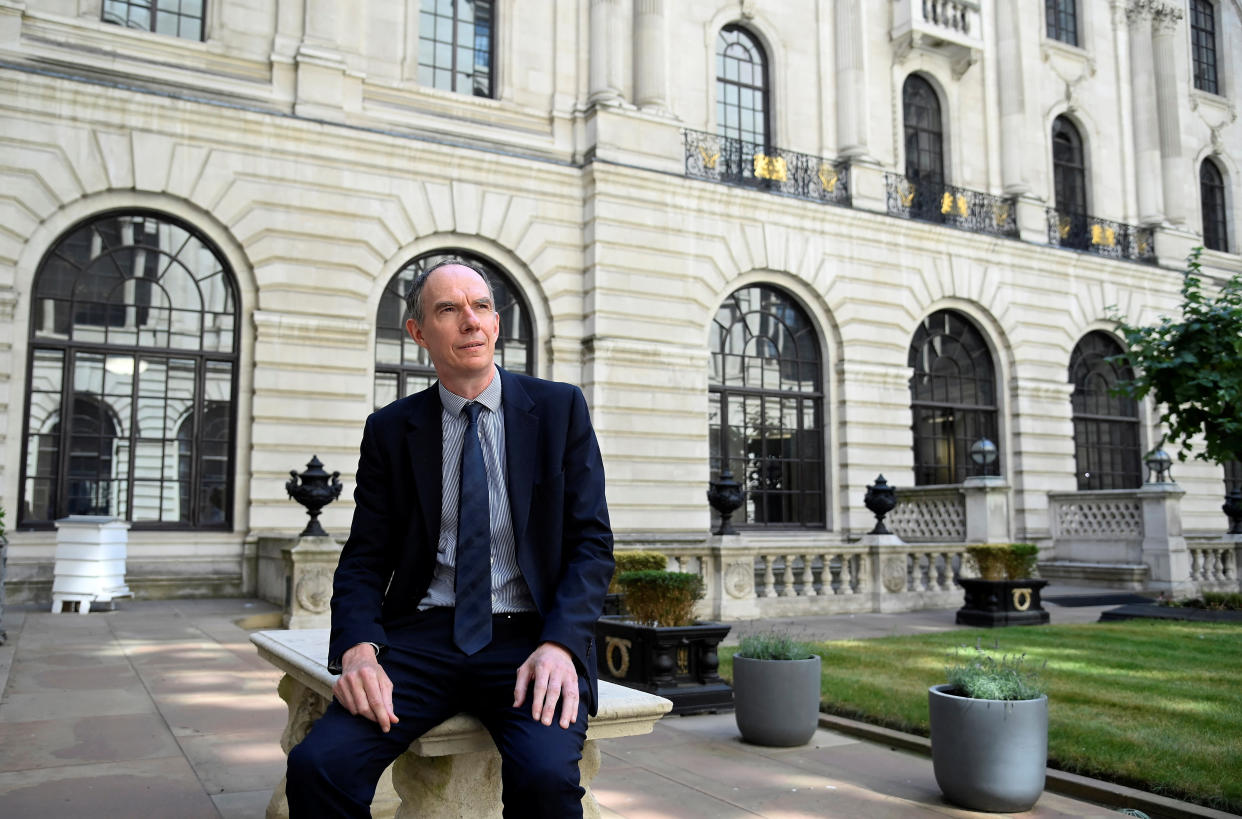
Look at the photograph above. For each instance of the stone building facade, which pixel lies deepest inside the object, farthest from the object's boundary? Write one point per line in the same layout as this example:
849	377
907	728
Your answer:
810	240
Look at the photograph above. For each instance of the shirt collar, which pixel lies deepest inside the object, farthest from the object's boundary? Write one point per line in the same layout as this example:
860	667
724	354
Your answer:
490	397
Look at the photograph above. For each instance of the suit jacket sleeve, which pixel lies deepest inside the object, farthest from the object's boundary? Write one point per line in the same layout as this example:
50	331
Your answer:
366	562
586	542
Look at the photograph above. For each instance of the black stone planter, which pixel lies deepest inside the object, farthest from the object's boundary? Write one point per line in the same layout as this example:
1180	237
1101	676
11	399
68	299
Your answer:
679	663
992	603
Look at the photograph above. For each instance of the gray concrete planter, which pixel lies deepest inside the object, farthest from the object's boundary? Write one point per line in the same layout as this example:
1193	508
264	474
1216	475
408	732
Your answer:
988	755
776	702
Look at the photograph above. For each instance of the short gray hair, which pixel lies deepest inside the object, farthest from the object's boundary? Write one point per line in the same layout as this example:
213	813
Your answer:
414	298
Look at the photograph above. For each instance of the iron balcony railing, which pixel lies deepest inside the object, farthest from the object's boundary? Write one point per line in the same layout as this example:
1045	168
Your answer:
1117	240
747	164
963	208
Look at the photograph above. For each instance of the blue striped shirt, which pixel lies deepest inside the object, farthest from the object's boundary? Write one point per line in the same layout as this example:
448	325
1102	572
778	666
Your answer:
509	590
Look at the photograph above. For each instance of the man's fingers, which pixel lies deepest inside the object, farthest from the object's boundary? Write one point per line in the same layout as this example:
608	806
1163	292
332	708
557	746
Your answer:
551	695
569	705
519	688
366	691
537	698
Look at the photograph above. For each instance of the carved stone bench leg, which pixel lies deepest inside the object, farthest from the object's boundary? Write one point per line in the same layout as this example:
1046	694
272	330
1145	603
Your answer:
305	706
449	787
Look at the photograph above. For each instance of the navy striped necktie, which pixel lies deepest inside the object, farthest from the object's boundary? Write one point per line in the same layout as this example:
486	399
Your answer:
472	621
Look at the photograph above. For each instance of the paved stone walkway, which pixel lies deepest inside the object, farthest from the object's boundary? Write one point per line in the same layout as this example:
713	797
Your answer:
162	709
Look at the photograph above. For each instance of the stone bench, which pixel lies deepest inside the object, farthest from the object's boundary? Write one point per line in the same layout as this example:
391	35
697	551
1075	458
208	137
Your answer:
454	769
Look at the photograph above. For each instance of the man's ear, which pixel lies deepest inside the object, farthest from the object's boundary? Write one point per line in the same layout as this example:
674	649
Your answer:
415	332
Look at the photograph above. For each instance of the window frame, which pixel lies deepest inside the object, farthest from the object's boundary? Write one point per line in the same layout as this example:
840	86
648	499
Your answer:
1213	207
1063	125
794	505
914	86
1120	423
70	348
455	50
763	91
1062	22
155	12
1204	51
967	421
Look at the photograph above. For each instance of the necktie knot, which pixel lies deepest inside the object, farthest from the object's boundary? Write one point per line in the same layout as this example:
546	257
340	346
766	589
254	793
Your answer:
472	410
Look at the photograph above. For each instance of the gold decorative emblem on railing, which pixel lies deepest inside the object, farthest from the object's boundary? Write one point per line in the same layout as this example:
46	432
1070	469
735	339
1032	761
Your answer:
771	167
619	646
1143	246
709	161
951	204
1063	226
1101	235
828	176
1000	211
1021	599
906	192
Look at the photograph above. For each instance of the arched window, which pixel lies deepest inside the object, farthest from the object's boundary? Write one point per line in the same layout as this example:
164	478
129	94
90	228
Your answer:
1106	426
766	408
1061	20
1212	204
742	90
455	46
403	368
133	377
1203	45
1069	169
952	398
924	131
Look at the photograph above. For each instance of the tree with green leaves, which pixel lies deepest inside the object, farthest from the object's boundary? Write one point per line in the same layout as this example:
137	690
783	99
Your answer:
1193	368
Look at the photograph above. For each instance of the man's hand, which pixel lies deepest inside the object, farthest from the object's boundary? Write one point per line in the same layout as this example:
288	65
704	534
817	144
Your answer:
364	688
552	670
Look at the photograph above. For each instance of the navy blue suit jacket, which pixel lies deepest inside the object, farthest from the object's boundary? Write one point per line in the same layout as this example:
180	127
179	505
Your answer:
556	497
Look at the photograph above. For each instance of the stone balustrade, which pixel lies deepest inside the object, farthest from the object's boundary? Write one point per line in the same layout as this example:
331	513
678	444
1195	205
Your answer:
1214	564
758	575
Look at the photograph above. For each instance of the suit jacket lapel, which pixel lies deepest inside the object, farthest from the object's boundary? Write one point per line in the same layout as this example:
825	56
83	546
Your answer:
424	442
521	441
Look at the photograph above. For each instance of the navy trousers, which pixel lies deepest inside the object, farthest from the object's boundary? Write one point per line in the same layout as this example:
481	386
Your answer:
334	770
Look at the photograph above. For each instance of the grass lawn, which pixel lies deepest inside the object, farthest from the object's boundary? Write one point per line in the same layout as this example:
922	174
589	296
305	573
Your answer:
1155	705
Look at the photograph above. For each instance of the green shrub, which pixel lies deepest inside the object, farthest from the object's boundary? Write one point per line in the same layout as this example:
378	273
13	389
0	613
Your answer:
772	645
659	598
636	561
981	676
1003	561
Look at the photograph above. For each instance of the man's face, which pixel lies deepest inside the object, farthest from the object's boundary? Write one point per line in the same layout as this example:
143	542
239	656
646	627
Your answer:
460	323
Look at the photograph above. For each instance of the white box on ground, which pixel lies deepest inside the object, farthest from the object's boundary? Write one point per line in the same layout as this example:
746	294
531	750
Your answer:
90	561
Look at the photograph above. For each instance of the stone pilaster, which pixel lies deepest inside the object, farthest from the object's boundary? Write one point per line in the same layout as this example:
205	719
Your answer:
1146	128
650	56
851	80
1012	99
604	76
1166	27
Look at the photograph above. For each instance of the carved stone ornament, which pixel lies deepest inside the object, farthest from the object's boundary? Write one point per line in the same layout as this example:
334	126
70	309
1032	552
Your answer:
739	579
893	575
314	590
747	9
1165	19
